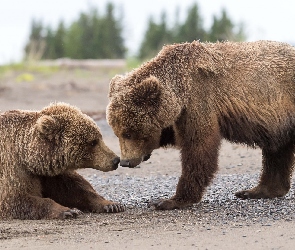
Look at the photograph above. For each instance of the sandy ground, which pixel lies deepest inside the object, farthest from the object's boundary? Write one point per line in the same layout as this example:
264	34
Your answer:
212	224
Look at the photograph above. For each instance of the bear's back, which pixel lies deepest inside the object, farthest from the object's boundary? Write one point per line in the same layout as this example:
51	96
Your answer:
12	118
14	126
260	52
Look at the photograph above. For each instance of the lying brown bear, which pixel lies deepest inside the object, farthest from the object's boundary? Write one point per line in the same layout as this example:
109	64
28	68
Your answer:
40	152
192	95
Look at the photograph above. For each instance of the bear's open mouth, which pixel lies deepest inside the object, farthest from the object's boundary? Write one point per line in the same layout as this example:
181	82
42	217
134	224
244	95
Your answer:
132	163
125	163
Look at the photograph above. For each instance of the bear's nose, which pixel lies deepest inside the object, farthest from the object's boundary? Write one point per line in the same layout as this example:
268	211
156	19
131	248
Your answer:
116	161
125	163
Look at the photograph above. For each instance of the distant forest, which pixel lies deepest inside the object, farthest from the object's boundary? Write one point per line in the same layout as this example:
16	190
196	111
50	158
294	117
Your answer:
96	35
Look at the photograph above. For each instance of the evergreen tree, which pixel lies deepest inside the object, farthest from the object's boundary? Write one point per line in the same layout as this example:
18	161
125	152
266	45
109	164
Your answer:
159	34
223	29
49	52
97	29
97	35
176	28
79	37
192	29
155	37
73	46
35	47
111	35
59	41
55	47
91	36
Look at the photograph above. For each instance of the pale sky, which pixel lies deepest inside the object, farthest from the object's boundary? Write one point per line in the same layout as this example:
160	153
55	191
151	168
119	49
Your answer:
263	19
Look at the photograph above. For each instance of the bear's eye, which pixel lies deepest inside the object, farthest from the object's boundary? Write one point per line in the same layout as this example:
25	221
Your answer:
93	143
126	135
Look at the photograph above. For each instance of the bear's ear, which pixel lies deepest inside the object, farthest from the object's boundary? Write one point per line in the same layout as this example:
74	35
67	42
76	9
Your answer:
48	126
147	93
115	85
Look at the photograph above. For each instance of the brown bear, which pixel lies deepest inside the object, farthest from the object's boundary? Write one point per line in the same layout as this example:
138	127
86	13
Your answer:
39	153
192	95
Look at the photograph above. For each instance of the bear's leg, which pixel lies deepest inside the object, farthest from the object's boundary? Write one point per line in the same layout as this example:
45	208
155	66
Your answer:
199	164
276	174
72	190
25	206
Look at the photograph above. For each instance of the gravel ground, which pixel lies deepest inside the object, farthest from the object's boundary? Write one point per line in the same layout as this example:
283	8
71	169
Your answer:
219	221
218	204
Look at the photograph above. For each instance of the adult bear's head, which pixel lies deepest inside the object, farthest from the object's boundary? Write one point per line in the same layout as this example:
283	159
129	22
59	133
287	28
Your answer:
138	112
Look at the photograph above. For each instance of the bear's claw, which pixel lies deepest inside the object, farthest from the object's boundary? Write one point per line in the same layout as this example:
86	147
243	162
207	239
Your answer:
163	204
114	208
72	213
169	204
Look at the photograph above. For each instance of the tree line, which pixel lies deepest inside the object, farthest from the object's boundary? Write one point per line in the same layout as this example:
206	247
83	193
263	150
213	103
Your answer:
97	35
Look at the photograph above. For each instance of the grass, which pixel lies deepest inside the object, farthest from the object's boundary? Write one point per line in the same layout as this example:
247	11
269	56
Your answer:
28	72
25	77
131	63
25	72
28	67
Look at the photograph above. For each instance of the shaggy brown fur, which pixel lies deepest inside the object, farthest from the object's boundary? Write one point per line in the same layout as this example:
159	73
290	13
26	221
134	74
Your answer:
39	154
194	94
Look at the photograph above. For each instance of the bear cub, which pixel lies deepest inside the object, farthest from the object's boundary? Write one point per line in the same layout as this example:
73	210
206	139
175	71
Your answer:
40	151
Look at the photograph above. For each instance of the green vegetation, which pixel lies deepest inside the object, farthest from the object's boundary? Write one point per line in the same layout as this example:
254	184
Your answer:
25	77
92	35
28	67
223	29
132	62
158	34
96	35
27	70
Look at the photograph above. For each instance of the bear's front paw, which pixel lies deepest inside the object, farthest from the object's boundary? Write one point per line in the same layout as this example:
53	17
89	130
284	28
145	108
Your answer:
257	193
262	192
71	213
245	194
114	208
168	204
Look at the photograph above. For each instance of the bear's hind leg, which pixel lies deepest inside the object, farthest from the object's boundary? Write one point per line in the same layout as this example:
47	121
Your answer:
276	174
30	207
72	190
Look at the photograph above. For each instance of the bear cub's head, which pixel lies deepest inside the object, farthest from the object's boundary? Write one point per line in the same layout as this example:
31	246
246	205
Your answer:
66	139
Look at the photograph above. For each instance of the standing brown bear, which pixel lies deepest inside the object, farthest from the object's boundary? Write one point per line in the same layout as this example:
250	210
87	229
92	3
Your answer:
192	95
39	153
